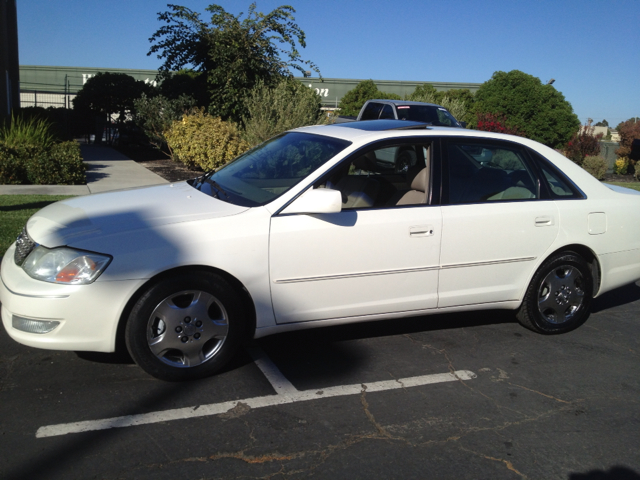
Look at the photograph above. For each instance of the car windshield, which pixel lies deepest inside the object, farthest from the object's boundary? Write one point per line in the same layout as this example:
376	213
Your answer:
434	115
267	171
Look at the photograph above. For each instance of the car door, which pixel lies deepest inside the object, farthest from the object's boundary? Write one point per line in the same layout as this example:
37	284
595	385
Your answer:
496	225
380	254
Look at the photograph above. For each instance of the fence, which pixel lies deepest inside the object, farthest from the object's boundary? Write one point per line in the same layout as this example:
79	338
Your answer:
34	98
607	151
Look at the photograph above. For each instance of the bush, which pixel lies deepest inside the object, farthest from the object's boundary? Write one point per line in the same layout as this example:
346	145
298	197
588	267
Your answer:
637	171
595	165
13	170
205	141
30	131
275	110
155	115
628	131
538	110
56	164
582	144
354	99
621	166
456	101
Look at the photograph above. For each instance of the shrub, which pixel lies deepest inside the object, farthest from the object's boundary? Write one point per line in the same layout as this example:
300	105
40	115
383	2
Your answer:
56	164
457	105
354	99
274	110
30	131
582	144
205	141
595	165
12	169
621	166
637	171
155	115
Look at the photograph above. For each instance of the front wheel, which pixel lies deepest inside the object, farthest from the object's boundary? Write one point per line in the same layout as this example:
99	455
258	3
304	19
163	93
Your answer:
559	297
185	327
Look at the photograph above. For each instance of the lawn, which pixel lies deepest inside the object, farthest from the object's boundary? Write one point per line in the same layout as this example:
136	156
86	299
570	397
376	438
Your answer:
15	210
634	185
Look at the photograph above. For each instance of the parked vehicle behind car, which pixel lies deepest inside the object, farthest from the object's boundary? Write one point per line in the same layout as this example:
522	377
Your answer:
322	225
404	110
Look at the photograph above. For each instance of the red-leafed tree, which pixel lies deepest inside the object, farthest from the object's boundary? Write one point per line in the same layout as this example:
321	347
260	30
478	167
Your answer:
629	131
582	144
496	122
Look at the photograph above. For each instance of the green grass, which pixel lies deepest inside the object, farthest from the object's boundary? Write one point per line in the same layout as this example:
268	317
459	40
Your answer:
15	210
634	185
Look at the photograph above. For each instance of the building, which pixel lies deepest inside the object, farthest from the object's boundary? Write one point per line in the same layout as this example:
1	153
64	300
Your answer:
45	86
9	65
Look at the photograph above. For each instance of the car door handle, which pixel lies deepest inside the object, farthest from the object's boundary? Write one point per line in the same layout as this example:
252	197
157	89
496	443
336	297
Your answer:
544	221
421	231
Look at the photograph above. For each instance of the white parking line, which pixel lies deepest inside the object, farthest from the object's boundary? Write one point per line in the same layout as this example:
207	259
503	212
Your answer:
286	393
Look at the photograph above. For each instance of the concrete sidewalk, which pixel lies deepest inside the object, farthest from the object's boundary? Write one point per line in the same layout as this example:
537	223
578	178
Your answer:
107	169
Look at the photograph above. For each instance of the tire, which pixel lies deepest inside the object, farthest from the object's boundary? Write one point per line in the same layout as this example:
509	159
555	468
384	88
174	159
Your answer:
558	299
185	327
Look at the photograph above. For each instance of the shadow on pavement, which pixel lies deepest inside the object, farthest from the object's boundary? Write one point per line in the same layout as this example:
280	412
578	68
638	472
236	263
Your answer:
614	473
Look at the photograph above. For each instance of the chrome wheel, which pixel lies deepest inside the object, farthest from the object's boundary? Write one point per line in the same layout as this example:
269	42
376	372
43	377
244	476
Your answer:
561	294
187	328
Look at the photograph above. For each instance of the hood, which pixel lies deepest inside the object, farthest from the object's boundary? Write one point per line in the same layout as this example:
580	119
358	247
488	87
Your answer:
81	218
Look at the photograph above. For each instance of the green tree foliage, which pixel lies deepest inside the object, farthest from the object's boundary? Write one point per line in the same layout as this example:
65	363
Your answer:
155	115
354	99
459	102
628	131
109	94
201	140
603	123
185	83
539	111
274	110
233	53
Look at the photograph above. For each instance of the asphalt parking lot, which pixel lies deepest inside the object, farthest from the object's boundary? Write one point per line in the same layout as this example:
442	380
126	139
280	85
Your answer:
460	396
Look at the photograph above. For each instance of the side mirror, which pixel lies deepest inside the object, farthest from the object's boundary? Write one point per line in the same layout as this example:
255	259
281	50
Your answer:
316	200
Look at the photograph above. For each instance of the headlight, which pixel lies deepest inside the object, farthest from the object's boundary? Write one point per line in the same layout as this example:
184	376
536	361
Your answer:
65	265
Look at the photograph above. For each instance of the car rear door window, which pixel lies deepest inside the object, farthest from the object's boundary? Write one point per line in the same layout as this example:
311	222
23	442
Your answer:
487	171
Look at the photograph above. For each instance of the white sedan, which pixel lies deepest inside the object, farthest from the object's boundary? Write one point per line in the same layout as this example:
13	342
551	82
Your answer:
321	226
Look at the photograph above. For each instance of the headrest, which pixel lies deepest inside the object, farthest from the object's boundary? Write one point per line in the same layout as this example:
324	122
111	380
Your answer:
366	162
419	182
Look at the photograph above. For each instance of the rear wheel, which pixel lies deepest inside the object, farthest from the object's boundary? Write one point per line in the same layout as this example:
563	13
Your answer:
559	297
185	327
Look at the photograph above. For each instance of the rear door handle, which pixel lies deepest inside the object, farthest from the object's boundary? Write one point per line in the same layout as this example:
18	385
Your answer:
421	231
544	221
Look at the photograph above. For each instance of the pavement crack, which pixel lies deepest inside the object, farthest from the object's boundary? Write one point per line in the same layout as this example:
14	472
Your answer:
507	463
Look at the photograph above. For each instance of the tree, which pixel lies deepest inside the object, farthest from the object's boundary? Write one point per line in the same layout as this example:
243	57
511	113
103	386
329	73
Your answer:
185	82
538	110
288	105
110	94
603	123
354	99
234	54
628	131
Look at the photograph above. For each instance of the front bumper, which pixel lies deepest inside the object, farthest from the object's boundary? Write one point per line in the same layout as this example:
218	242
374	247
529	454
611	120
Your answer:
87	315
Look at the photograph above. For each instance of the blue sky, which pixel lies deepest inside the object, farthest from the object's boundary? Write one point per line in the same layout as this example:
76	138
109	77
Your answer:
591	47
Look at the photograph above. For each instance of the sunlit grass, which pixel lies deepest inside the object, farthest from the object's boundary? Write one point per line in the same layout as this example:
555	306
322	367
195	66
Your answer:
634	185
15	210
